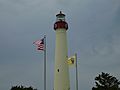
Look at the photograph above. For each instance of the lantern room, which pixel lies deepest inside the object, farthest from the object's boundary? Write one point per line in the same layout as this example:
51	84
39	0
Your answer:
60	22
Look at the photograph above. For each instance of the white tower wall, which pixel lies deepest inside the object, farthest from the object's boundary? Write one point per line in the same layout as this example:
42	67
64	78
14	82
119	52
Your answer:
61	80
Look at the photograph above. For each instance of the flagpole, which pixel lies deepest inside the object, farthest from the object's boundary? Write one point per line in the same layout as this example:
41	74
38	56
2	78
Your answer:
44	62
76	73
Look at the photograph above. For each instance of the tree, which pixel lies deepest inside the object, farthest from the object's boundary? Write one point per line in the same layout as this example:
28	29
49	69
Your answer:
22	88
105	81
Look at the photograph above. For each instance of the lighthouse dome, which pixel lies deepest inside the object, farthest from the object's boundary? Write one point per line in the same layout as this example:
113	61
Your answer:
60	16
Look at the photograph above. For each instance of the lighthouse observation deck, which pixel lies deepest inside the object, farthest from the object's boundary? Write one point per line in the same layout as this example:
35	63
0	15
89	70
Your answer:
60	22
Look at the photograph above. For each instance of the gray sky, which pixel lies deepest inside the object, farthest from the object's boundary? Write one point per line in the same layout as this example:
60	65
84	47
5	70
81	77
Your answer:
94	34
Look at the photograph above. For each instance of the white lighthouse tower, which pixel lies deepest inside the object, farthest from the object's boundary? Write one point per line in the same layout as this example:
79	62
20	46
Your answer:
61	73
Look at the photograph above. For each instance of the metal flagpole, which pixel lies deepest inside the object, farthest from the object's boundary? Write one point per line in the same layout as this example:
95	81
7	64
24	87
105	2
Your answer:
41	45
44	62
76	72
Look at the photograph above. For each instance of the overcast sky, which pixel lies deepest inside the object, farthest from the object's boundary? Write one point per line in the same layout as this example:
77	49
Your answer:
94	34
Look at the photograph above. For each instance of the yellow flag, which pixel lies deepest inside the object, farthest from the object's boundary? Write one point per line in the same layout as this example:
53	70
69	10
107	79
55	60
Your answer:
71	60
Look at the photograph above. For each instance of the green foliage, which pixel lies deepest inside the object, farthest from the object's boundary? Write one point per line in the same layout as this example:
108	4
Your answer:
22	88
106	82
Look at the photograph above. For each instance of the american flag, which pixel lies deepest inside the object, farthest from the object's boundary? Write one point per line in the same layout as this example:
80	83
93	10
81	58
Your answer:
39	44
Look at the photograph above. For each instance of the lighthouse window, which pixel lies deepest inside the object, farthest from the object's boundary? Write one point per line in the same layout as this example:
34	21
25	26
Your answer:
58	70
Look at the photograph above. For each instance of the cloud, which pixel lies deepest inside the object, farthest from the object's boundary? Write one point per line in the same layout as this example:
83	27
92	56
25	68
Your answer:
102	50
116	43
18	7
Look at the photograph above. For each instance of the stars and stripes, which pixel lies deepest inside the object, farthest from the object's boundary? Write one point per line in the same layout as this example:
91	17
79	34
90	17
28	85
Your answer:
40	44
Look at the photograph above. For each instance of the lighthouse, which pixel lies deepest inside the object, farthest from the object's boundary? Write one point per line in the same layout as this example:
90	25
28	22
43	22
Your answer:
61	72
